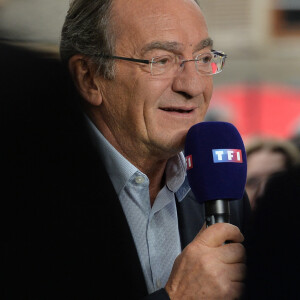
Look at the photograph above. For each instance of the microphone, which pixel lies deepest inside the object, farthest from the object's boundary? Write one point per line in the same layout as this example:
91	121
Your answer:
216	167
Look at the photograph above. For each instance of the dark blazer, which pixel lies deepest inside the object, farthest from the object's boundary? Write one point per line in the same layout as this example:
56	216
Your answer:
65	234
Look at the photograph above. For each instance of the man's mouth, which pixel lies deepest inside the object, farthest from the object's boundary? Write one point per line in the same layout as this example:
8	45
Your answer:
178	110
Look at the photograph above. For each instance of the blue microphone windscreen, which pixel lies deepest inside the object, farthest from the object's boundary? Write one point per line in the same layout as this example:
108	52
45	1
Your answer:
216	161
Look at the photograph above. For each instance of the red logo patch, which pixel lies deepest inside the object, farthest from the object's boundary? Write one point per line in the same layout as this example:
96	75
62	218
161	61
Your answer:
189	162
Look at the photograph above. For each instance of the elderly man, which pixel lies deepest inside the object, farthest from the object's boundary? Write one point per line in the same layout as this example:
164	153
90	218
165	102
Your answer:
121	220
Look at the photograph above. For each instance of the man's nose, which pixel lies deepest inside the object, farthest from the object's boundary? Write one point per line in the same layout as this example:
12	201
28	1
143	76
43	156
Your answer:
189	81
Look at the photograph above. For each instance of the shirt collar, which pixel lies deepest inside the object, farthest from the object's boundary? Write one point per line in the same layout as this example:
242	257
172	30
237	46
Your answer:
120	170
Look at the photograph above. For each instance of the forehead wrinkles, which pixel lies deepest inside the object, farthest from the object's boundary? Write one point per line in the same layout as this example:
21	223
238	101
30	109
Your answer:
131	23
134	26
165	14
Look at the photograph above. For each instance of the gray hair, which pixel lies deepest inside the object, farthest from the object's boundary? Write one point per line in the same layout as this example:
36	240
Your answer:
87	31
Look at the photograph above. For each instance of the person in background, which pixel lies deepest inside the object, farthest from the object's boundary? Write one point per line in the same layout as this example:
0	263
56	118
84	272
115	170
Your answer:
105	209
266	156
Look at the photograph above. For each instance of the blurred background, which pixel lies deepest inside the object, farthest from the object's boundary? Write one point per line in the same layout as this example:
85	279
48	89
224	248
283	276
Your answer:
259	89
33	23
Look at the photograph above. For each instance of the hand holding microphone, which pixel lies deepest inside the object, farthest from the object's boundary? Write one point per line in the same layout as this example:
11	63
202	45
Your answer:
208	268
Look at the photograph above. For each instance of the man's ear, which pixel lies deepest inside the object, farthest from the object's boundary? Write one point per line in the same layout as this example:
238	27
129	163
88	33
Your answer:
84	77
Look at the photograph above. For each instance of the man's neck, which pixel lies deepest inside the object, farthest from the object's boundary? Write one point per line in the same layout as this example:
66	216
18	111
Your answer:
143	160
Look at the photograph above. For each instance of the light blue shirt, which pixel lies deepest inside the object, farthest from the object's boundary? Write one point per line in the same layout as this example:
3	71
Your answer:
154	229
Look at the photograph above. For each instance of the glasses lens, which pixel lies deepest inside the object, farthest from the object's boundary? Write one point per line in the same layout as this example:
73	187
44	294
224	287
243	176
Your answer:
219	60
210	63
204	63
162	64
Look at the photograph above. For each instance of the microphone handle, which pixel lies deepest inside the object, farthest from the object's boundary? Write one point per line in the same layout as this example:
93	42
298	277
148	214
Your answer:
217	211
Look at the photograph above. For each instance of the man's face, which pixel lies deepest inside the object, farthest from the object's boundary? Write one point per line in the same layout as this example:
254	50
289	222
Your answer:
145	115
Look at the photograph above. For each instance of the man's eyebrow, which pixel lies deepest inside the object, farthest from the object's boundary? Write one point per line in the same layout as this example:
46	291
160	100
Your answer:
208	42
175	46
168	46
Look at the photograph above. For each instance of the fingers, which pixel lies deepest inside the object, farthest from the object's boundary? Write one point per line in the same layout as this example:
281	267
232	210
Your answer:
208	268
216	235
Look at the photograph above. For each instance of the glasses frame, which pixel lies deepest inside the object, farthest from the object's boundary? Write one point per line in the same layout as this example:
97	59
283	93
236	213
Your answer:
146	61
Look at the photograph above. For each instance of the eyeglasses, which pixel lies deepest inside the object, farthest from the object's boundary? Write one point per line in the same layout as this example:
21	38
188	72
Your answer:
209	63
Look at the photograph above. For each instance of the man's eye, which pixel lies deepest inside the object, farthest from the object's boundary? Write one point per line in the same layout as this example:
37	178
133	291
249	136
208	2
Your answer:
206	58
162	60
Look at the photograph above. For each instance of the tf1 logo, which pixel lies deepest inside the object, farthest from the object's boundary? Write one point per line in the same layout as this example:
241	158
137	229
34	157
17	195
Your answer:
220	156
227	155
